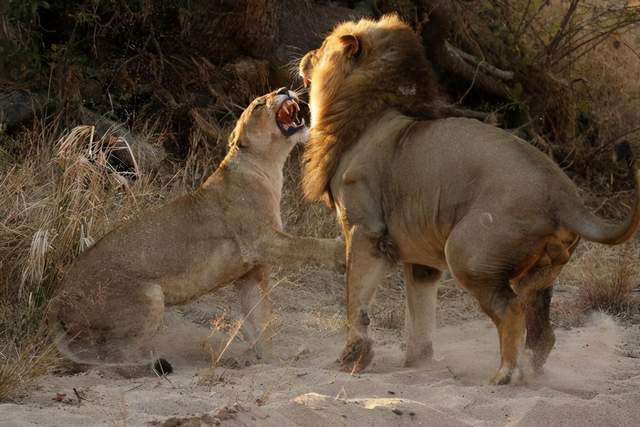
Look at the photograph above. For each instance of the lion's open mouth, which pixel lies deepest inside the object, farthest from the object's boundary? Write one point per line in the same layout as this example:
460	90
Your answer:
287	117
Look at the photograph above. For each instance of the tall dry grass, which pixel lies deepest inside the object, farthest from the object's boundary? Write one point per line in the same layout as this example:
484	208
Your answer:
21	365
58	195
603	279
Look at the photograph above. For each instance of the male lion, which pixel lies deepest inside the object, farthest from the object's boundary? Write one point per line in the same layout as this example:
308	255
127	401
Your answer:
440	194
229	230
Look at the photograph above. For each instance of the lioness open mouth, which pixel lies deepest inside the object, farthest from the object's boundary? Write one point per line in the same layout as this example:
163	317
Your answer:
287	117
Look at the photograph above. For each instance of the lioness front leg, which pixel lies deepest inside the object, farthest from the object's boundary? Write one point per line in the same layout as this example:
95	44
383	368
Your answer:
280	247
256	309
420	321
366	268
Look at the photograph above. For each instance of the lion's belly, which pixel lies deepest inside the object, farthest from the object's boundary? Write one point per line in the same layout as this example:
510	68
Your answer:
221	267
417	246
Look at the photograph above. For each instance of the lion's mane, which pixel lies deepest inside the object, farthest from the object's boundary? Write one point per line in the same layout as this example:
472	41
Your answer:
390	71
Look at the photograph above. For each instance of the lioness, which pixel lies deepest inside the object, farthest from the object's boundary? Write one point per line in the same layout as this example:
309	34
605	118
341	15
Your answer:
112	299
440	194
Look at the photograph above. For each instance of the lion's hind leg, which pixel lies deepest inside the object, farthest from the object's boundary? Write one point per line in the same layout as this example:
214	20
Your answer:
506	309
421	284
535	285
536	288
540	336
483	266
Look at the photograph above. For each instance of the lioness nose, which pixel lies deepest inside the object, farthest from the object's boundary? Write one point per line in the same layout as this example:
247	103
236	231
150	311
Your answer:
282	91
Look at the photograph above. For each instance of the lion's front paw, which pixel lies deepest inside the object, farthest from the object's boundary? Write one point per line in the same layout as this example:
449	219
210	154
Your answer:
356	355
418	355
506	375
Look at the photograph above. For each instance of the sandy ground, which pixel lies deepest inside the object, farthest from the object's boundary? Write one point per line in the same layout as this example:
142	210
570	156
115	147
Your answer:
592	376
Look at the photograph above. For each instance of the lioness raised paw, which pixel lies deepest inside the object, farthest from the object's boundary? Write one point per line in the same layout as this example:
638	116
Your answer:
356	355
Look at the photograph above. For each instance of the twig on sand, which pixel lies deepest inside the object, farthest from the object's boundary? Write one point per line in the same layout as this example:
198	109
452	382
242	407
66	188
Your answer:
455	377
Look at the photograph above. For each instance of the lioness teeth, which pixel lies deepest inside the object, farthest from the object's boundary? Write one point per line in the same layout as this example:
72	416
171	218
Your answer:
287	116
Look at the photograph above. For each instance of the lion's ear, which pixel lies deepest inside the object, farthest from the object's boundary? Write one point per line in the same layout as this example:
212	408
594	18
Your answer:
351	44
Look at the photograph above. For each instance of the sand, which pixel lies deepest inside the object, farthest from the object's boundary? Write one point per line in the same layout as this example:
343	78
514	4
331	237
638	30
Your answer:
591	378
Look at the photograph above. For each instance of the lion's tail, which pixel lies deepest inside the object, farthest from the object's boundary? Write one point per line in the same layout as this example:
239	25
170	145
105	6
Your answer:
584	222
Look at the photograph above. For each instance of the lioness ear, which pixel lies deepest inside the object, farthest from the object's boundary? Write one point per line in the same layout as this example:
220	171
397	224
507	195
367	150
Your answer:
351	45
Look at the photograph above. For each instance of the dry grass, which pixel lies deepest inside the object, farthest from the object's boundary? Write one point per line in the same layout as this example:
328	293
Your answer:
21	366
609	277
57	199
611	292
300	216
58	195
604	279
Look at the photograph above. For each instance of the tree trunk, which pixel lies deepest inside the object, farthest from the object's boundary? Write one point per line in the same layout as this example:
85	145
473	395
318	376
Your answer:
260	25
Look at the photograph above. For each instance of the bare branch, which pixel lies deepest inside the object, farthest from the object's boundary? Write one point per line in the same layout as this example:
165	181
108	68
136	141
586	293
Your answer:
455	64
481	63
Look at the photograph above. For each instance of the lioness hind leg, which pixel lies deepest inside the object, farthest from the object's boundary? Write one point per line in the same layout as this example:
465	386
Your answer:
420	317
134	334
115	329
366	268
256	308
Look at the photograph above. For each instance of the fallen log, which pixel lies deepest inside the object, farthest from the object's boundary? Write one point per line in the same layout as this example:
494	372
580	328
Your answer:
132	152
18	106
